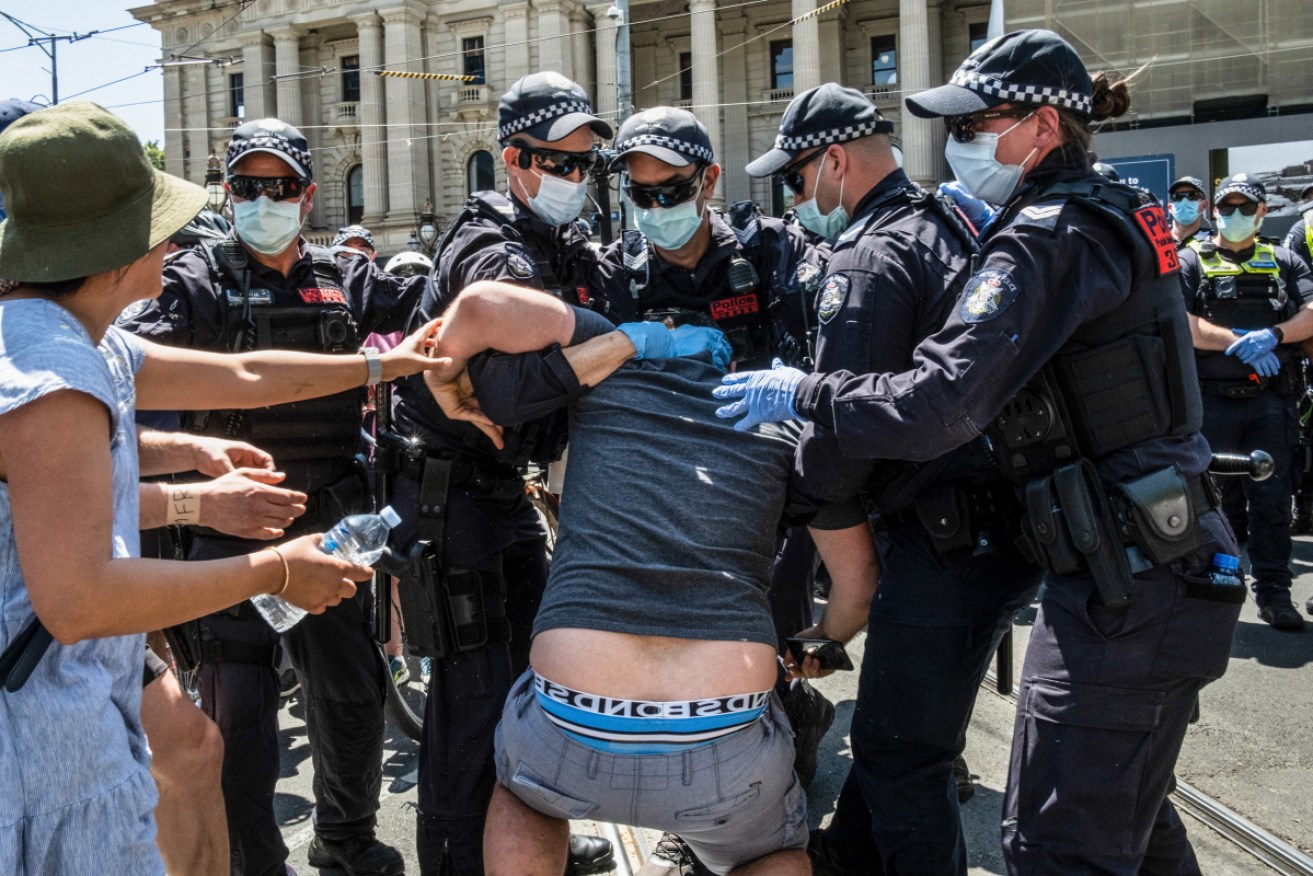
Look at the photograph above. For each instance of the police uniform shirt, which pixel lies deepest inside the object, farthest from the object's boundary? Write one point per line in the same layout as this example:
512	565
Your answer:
788	269
1297	242
892	281
1046	268
1294	275
477	248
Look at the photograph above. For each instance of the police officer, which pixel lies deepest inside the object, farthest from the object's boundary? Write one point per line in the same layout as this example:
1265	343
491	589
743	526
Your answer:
466	498
1299	240
358	238
1249	301
1188	201
753	276
1069	348
265	287
947	591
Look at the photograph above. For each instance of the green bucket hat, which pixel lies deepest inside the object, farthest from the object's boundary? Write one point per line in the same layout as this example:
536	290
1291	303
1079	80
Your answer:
82	197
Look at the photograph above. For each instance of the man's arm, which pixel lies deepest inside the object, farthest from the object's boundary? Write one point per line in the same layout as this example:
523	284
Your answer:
849	555
160	453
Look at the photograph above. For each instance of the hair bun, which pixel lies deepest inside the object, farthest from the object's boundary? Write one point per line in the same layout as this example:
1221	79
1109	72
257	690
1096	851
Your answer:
1110	99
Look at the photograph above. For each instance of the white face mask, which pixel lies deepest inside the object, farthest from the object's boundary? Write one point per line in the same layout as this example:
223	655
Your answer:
827	225
558	201
979	171
670	228
267	226
1238	227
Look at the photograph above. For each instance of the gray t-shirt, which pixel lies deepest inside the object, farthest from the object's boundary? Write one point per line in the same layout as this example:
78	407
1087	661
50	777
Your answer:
669	516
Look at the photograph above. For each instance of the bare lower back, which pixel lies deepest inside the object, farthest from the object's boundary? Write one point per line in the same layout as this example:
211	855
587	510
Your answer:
652	667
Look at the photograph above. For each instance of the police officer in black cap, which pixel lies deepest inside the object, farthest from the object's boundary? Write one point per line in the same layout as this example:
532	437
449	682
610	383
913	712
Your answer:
464	496
265	287
1188	204
1249	302
1070	351
948	590
1299	240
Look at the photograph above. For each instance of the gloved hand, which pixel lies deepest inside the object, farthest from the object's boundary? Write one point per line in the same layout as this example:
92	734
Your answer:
690	340
652	340
1266	365
764	396
977	211
1252	344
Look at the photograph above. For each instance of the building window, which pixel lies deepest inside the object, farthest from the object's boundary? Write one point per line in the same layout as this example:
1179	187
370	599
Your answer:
686	76
479	172
781	64
355	195
978	34
884	60
472	50
350	78
237	95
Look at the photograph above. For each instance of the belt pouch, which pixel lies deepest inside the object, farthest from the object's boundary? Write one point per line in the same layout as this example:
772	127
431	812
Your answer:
1160	515
943	512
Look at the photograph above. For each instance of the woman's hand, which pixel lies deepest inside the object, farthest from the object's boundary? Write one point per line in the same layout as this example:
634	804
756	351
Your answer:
315	580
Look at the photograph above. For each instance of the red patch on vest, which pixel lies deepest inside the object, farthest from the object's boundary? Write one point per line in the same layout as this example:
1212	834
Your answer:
584	298
1153	222
322	296
728	308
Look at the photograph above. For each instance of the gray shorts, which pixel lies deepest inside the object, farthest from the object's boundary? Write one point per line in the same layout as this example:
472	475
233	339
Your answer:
732	800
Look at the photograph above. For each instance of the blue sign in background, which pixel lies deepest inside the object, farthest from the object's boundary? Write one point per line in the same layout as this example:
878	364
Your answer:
1152	172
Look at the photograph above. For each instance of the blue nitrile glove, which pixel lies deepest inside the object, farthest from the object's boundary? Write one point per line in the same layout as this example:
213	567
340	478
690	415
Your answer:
690	340
1266	365
652	340
1252	345
977	211
764	396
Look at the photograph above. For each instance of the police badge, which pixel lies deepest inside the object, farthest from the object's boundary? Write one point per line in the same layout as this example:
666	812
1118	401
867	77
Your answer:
988	294
832	297
519	263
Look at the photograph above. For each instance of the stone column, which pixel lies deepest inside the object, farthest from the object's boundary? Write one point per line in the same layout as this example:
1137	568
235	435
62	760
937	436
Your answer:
196	117
257	68
516	16
935	30
372	117
584	71
287	53
735	183
806	48
604	98
553	51
174	126
408	168
913	76
706	66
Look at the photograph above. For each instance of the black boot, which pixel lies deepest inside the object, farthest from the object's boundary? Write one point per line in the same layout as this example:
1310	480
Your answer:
359	856
589	854
962	779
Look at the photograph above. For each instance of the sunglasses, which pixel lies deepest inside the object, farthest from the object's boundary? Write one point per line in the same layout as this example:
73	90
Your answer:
1186	196
792	176
556	162
668	195
275	188
1249	208
963	128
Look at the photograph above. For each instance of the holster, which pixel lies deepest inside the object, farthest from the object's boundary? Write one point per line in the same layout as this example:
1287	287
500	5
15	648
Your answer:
185	643
426	616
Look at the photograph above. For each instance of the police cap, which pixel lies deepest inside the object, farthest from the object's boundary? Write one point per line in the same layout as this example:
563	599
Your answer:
821	116
668	134
548	107
352	232
276	138
1241	184
1193	182
1026	66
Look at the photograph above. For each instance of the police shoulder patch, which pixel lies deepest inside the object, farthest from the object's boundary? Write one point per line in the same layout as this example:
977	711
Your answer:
135	309
987	294
833	293
807	276
519	263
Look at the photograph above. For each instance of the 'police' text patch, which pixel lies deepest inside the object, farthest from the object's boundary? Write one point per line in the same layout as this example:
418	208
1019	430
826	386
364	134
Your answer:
988	294
833	292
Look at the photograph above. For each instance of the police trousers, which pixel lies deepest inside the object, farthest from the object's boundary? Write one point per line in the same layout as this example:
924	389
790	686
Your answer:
498	535
935	623
1265	422
1104	702
342	687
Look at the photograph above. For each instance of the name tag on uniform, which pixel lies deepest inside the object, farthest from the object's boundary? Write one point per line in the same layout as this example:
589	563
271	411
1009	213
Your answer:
322	296
256	296
728	308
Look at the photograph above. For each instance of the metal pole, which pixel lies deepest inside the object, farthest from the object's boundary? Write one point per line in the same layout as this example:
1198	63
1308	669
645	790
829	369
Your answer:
623	70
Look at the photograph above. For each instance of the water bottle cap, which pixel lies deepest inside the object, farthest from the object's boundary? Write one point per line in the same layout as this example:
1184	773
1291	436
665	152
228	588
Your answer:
1226	561
390	517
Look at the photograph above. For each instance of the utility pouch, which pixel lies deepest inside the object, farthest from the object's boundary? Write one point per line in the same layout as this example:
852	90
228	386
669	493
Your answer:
1159	515
463	591
425	612
1045	531
185	643
944	513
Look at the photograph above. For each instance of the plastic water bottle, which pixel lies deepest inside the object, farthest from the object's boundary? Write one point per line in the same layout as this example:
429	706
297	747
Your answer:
358	539
1225	571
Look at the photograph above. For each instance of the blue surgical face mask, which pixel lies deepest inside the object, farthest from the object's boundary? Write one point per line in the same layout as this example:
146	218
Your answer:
829	225
1238	227
558	201
979	171
1185	212
670	228
266	226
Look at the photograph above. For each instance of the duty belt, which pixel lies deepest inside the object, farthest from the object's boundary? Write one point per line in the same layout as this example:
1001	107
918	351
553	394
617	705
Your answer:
1235	388
411	457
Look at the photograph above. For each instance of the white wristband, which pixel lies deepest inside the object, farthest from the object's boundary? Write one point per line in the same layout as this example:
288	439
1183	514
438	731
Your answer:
183	505
374	363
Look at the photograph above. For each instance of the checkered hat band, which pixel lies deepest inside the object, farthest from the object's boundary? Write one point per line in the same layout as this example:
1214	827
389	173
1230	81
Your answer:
523	123
1081	103
278	144
825	138
1243	188
701	153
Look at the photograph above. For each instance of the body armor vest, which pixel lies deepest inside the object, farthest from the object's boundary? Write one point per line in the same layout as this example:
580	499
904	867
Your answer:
1245	295
1124	378
314	320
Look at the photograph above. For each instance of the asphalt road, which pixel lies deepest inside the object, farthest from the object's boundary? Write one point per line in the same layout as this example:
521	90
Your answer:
1252	750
